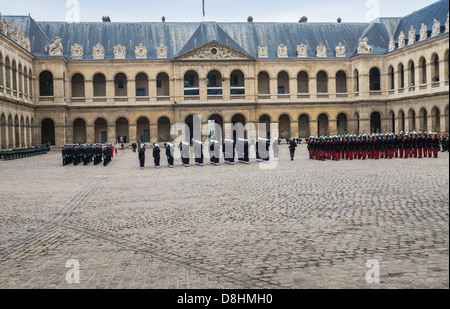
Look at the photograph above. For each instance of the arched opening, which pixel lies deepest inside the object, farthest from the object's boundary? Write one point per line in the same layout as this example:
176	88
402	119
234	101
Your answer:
141	85
375	122
401	76
25	81
189	122
2	70
342	124
78	86
239	123
20	78
7	73
283	83
323	125
163	86
412	120
16	132
237	83
391	78
215	127
446	116
435	68
30	83
356	81
214	83
263	83
143	130
164	130
284	127
48	131
28	133
341	82
99	82
10	132
436	119
391	121
423	117
304	128
120	85
101	131
79	131
303	82
264	126
375	80
122	130
191	84
322	82
23	141
46	84
423	71
3	126
411	73
401	121
356	123
446	66
14	75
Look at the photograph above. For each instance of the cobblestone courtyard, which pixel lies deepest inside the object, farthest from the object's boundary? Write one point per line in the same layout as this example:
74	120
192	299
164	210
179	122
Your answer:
303	224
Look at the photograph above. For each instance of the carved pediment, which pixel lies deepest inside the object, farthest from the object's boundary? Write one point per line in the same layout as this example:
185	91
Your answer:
214	51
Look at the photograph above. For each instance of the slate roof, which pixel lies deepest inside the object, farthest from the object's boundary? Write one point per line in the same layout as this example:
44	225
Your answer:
245	37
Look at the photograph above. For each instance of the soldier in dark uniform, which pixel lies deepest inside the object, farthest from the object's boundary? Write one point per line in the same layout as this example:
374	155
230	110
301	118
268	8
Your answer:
156	155
246	152
141	156
229	151
292	148
185	153
170	149
198	153
435	145
214	152
97	154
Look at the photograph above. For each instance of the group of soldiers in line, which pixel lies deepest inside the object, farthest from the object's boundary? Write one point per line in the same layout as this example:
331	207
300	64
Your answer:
232	151
376	146
86	154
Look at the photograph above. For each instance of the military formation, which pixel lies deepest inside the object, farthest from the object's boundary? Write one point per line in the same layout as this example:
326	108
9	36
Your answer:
87	154
376	146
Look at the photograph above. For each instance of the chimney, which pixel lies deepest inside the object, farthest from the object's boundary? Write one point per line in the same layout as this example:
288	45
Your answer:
304	19
339	20
163	19
250	19
106	19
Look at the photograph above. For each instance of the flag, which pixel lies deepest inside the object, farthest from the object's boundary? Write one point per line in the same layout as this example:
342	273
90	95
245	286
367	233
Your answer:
117	147
204	13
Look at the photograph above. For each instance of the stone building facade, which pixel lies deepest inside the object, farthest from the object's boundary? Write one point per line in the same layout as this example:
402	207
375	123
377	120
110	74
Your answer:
92	85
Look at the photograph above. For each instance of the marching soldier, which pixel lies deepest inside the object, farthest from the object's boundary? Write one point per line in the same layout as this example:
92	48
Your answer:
170	149
185	153
293	146
198	153
229	151
141	155
157	155
214	152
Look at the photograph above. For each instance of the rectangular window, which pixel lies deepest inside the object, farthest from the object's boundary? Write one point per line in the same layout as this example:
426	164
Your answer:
281	90
159	84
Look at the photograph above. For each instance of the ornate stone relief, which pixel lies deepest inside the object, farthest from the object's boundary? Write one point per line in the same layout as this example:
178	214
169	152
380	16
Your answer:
282	51
15	34
411	36
340	50
120	52
436	28
423	32
161	51
446	23
302	51
77	51
363	47
321	51
392	44
401	40
140	51
55	49
263	51
98	52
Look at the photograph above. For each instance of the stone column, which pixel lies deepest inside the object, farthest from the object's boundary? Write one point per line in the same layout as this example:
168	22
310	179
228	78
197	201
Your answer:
273	88
110	92
294	129
226	90
364	85
111	135
154	134
69	138
365	125
314	127
60	135
172	89
332	125
293	88
203	90
332	87
58	90
251	89
90	134
131	90
228	127
152	90
89	91
132	132
313	87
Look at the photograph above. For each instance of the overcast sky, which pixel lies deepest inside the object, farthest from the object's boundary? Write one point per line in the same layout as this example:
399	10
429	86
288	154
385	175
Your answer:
216	10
